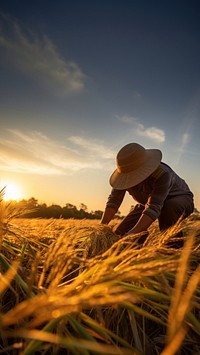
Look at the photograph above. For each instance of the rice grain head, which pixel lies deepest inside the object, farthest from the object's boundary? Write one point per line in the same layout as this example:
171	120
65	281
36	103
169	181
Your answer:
98	240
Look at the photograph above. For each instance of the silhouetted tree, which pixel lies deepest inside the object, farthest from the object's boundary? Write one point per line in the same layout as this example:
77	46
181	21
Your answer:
69	211
54	211
36	210
97	214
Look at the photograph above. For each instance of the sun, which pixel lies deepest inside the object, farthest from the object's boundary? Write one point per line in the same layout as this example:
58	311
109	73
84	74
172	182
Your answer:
12	192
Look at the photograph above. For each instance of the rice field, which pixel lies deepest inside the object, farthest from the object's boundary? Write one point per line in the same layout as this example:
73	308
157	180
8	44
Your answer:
74	287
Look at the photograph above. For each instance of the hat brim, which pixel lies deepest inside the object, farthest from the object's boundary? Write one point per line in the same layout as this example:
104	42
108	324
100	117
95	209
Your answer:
122	181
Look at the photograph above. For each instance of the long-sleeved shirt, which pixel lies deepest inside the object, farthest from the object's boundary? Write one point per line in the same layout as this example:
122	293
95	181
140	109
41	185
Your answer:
162	184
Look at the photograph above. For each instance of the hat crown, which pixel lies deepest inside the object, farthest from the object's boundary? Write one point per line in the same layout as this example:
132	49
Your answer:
130	157
134	165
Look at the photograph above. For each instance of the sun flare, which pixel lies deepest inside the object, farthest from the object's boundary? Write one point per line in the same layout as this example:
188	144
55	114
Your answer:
12	192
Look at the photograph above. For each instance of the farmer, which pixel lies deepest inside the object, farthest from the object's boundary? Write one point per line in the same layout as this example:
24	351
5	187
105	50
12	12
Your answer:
159	191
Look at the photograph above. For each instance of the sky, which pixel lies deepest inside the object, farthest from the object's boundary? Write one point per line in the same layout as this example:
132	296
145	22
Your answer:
81	79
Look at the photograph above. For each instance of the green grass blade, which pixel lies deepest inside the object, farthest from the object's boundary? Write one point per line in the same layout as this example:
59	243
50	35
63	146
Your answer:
142	312
106	333
17	277
35	344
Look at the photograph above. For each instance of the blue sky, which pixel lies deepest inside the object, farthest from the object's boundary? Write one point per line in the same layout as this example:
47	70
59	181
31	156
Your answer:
80	79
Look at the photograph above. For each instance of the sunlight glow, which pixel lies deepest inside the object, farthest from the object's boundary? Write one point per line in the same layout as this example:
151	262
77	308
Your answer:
12	192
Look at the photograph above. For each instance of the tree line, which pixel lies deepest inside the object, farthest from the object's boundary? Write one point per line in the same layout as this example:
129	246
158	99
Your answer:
33	209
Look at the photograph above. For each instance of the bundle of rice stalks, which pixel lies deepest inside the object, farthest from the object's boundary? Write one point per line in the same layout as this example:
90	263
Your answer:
97	240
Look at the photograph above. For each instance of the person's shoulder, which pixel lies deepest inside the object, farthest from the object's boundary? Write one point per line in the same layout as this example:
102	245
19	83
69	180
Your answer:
165	166
163	171
162	168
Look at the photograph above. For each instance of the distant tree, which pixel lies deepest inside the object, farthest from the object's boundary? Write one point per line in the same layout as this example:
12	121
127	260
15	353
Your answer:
43	205
54	211
69	206
42	210
32	202
83	207
97	214
31	206
82	213
34	210
69	211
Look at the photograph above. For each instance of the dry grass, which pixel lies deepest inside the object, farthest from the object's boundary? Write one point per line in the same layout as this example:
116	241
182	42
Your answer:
74	287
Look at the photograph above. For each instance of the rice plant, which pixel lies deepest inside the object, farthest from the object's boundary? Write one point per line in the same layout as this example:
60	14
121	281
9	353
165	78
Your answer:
74	287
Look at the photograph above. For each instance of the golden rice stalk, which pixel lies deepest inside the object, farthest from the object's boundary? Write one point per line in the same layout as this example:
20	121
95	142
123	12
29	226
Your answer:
181	301
98	240
6	279
72	344
72	249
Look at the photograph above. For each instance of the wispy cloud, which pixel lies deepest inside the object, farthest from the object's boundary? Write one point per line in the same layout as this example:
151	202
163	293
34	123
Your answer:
35	153
94	146
154	133
185	139
38	58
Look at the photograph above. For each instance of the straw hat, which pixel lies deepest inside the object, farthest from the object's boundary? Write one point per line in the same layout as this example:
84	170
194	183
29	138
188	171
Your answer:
134	164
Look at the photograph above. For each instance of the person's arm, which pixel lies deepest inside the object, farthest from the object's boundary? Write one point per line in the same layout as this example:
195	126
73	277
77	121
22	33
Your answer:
108	215
113	203
142	225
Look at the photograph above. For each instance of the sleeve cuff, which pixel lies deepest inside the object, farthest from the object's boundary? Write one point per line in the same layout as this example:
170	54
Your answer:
151	213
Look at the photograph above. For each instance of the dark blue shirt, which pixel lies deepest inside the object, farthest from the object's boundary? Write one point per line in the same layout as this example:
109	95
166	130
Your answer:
162	184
